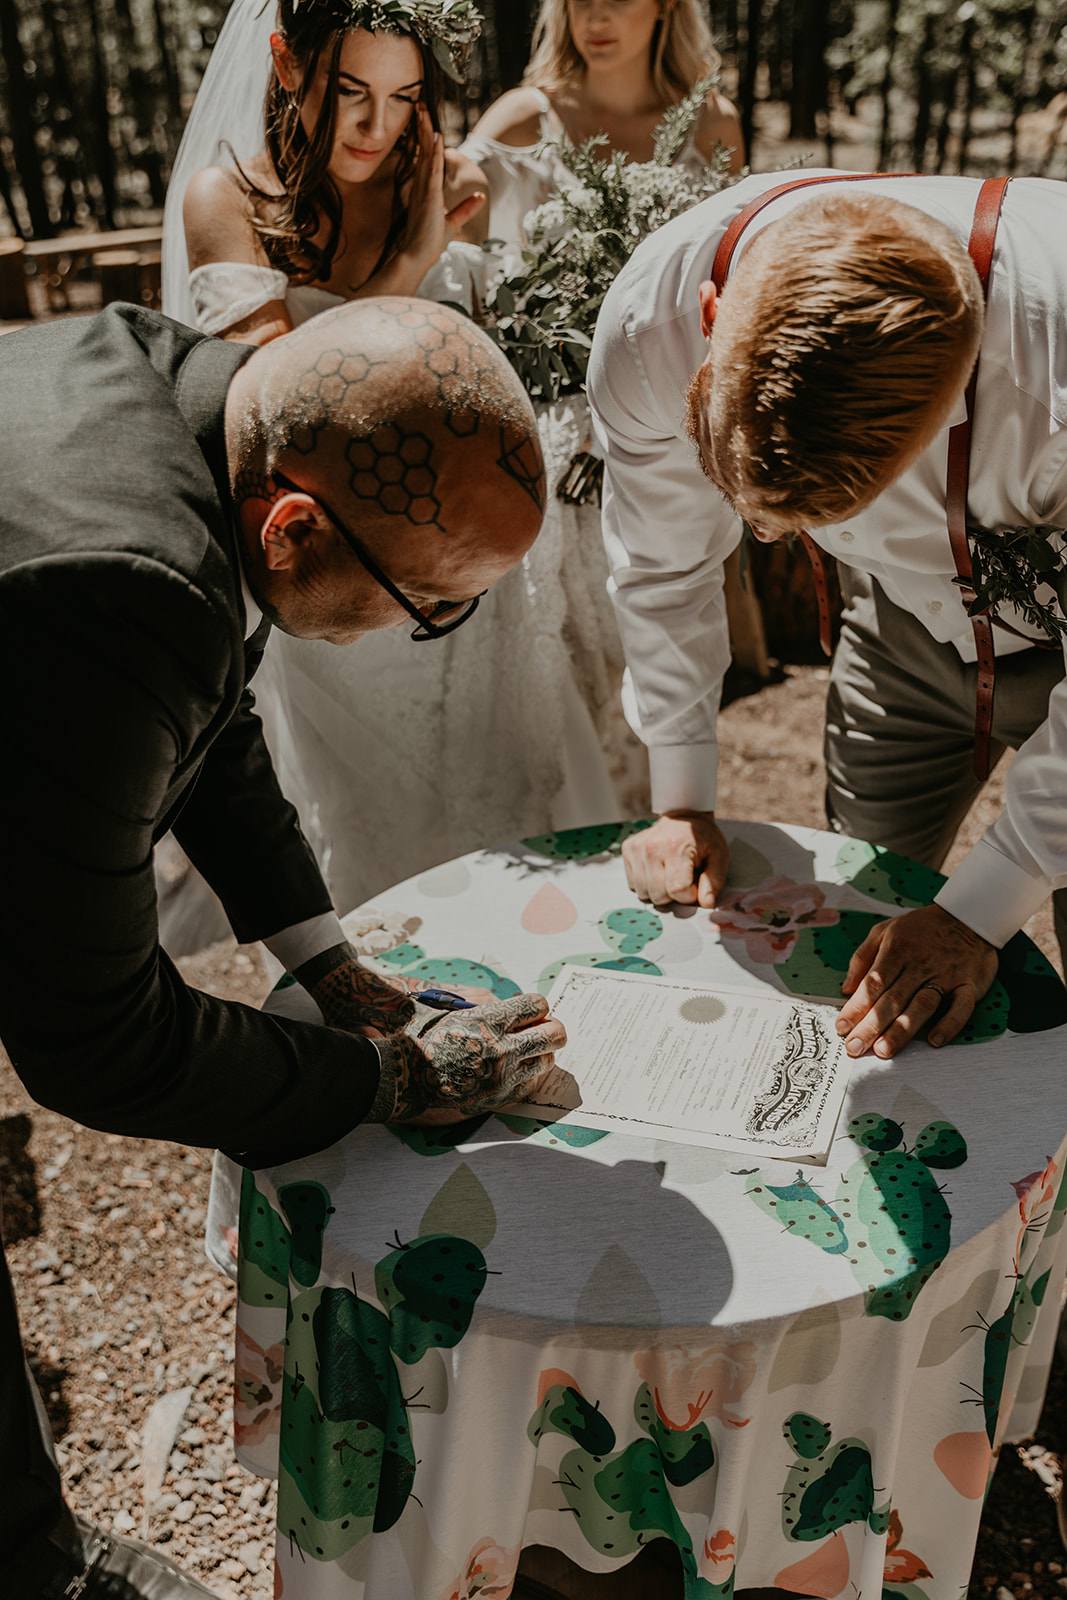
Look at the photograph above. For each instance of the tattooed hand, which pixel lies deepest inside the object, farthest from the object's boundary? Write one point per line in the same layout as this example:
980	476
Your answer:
467	1063
350	996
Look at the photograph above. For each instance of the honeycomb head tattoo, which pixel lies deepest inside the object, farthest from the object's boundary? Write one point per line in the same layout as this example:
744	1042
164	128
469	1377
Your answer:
395	399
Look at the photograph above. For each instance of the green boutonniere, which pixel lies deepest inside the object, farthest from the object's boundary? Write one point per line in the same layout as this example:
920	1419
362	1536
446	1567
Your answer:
1009	566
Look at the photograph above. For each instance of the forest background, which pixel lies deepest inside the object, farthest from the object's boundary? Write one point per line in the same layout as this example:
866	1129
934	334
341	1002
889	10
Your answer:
94	93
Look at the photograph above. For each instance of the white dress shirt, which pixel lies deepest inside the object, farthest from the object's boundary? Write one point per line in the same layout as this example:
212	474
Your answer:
668	530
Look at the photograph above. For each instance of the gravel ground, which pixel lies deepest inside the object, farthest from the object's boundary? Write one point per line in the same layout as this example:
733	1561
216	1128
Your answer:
120	1307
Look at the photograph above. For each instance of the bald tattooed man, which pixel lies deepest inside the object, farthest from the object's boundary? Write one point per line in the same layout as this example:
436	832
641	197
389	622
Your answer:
167	498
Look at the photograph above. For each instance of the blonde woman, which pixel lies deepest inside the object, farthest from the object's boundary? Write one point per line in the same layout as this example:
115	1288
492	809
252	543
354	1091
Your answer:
599	66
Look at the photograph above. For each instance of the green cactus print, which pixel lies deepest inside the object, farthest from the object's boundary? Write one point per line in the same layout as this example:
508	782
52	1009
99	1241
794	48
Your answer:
565	1410
622	1499
799	1208
889	1217
1037	997
629	929
346	1458
809	1437
307	1208
625	931
402	955
829	1485
578	844
440	1141
596	958
429	1289
553	1132
347	1464
1013	1327
893	1196
885	876
686	1454
263	1249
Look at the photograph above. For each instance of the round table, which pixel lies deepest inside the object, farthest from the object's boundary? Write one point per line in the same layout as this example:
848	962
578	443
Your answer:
454	1343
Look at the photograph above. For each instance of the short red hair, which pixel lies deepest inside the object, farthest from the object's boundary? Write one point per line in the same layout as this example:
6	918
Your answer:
843	340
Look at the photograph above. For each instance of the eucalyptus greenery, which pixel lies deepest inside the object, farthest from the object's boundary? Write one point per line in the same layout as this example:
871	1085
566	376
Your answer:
1010	565
543	315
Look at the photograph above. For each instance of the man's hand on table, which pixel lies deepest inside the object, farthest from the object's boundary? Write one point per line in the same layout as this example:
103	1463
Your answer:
683	857
466	1062
905	971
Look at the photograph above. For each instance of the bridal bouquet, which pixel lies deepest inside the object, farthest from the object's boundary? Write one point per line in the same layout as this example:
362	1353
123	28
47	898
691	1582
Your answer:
542	316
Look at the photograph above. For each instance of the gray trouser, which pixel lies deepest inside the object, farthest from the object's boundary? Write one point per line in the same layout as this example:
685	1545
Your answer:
900	728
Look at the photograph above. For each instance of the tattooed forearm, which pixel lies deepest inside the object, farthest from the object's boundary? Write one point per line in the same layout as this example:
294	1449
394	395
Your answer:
351	996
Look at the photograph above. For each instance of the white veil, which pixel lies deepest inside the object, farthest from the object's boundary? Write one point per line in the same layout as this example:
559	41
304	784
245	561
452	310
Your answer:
228	111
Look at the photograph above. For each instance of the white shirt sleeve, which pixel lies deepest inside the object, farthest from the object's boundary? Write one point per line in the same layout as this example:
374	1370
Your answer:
667	531
1022	857
303	940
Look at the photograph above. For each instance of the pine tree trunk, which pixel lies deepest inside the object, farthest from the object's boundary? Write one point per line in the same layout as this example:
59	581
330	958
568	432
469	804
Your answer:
885	141
514	26
99	119
27	156
968	66
167	57
924	97
142	102
809	96
753	18
63	97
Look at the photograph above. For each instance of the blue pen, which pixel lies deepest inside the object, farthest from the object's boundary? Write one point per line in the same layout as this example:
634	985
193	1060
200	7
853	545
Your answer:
444	1000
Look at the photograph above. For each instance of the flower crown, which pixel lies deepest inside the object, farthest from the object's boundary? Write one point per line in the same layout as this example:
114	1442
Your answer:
447	28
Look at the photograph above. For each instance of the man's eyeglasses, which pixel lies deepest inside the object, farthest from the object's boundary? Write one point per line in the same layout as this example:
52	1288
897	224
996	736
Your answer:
428	626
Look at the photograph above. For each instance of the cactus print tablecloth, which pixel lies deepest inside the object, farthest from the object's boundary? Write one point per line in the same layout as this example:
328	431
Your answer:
456	1342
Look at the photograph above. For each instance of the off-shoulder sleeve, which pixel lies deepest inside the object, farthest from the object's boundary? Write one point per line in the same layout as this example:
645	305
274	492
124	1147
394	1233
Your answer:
225	292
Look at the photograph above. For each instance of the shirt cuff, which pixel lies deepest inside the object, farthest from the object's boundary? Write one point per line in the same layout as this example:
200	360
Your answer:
992	894
683	776
297	944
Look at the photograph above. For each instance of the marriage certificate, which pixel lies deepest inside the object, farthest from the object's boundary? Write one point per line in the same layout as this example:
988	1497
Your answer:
733	1069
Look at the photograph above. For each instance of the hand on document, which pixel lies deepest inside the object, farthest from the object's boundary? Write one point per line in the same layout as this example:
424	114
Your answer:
461	1064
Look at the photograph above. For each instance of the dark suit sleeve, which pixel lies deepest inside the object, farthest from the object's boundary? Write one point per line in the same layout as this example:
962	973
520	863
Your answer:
242	834
106	704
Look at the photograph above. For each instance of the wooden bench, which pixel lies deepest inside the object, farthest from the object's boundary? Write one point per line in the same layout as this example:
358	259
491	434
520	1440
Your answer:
54	260
14	295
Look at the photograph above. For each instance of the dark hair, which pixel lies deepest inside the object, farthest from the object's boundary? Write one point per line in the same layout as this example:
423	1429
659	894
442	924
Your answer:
315	31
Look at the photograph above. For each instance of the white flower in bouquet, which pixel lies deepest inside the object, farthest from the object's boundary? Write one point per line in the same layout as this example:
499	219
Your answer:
543	315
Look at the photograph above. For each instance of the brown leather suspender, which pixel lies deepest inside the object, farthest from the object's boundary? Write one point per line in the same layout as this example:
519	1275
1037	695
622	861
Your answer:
980	246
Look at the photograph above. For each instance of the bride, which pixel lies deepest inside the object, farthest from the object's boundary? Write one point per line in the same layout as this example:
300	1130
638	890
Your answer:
397	757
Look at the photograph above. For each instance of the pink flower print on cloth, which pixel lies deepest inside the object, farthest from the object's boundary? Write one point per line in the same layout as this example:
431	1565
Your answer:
718	1562
1037	1194
769	917
689	1386
257	1387
489	1574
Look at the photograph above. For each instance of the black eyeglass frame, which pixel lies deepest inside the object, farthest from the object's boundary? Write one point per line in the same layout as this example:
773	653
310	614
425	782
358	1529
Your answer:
427	628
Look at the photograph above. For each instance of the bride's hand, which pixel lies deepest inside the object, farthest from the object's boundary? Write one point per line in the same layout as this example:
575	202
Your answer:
430	228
